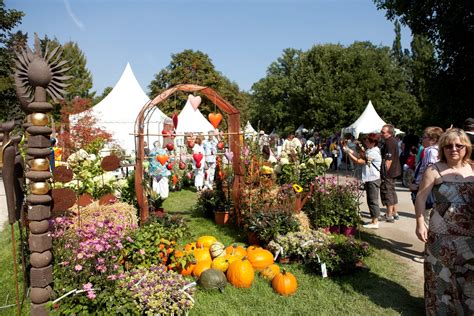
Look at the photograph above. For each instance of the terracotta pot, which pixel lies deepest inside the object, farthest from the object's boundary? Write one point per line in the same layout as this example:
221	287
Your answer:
221	218
159	212
284	260
349	231
335	229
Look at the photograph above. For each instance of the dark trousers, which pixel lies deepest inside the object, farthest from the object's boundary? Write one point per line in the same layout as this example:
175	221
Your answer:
372	191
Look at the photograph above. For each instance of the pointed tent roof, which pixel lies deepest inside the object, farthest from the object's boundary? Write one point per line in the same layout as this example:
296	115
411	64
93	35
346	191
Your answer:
192	121
248	129
368	122
119	109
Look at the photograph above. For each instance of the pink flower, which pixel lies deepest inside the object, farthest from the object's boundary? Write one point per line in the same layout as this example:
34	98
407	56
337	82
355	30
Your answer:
91	295
141	251
129	239
112	277
87	286
101	268
78	267
64	263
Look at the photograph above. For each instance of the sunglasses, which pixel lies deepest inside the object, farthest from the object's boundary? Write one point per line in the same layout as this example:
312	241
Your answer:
454	147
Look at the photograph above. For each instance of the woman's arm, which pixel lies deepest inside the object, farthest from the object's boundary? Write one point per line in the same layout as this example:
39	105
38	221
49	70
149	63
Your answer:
426	185
350	154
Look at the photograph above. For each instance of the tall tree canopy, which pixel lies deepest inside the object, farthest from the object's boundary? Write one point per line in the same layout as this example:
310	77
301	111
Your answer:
195	67
9	42
449	26
328	87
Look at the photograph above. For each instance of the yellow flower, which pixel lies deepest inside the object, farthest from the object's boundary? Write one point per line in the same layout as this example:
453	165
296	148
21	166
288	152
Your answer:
297	188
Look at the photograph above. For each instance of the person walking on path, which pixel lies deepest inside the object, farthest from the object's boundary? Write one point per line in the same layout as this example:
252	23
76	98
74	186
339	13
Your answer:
449	273
370	175
390	170
430	140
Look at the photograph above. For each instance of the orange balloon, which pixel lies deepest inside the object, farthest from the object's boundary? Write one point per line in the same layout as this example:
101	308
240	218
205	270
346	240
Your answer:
175	179
162	159
215	119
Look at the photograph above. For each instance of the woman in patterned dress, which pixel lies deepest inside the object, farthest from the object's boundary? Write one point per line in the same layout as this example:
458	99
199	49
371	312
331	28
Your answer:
449	249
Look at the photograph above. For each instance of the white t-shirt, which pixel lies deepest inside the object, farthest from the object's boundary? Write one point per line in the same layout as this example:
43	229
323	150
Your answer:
370	172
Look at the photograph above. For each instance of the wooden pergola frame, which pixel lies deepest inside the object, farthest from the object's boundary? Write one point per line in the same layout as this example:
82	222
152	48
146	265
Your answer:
234	139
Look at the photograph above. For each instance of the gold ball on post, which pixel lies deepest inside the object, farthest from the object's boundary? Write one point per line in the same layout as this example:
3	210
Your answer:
39	119
39	188
39	164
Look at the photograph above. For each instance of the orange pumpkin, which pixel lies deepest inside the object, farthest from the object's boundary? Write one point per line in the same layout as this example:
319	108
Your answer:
236	250
252	248
205	241
270	272
190	247
231	258
200	267
285	283
260	258
220	263
202	254
188	270
241	273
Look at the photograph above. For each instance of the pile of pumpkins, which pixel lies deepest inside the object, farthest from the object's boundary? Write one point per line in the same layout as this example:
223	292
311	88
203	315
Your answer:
216	264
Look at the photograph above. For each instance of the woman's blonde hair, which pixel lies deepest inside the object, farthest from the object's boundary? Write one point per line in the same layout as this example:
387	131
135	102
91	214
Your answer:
448	137
433	132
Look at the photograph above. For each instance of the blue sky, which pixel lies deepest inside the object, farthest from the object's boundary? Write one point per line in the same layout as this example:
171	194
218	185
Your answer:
241	37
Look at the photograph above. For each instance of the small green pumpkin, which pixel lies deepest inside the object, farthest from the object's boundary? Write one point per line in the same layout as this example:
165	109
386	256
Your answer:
213	279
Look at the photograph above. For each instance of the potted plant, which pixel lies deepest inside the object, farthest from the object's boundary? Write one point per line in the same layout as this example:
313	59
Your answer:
155	203
266	224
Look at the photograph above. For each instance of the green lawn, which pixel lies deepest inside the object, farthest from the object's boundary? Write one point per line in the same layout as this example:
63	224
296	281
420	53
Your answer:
384	290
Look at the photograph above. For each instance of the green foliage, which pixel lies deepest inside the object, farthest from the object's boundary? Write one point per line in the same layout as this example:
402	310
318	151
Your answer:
127	191
269	223
447	24
341	255
205	204
333	204
329	86
195	67
9	43
153	243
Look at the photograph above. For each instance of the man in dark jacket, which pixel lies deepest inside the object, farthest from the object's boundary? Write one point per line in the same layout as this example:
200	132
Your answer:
390	170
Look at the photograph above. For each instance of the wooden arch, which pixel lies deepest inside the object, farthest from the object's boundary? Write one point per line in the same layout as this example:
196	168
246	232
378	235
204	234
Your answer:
234	139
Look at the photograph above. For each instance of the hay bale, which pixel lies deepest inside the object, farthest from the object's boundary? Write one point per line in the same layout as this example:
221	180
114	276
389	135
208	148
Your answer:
118	213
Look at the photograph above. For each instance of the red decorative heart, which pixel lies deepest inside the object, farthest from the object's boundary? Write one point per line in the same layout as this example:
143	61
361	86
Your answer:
197	157
198	165
175	179
175	120
220	145
162	159
215	119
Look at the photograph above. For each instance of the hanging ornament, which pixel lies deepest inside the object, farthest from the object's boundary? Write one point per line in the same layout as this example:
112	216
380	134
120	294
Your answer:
215	119
229	155
182	165
189	175
198	157
162	159
166	133
175	179
220	145
169	166
195	101
170	146
175	120
198	165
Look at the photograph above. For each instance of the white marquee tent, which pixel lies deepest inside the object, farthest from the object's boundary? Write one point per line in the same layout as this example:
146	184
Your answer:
117	112
368	122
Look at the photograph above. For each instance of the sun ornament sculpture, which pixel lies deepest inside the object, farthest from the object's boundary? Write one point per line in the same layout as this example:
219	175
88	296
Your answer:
38	75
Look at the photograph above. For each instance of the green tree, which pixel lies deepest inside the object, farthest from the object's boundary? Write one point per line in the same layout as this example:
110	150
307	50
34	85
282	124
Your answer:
9	43
328	87
81	82
195	67
449	27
